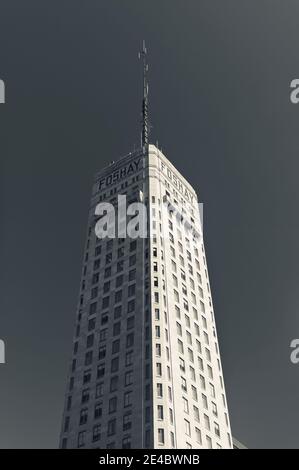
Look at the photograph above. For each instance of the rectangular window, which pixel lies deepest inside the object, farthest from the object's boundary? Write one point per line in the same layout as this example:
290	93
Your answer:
187	427
96	433
111	427
98	409
127	399
160	412
113	405
159	390
81	438
161	436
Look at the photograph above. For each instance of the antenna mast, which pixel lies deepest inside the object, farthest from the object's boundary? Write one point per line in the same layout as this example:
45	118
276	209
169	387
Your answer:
145	124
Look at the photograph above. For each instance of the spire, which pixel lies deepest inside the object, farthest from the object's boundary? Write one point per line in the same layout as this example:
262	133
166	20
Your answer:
145	124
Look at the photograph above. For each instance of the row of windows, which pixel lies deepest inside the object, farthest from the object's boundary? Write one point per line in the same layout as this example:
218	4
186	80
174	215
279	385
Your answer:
197	433
96	436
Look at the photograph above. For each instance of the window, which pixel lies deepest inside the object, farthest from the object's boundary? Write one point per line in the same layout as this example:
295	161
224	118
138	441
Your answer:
159	390
202	382
180	346
88	358
64	443
217	429
85	395
133	245
204	401
98	409
187	427
131	306
87	376
130	340
115	364
196	413
183	384
214	409
131	290
182	364
99	390
126	444
127	421
108	258
194	393
91	324
107	273
210	372
83	416
96	433
207	422
129	378
208	354
130	323
158	349
119	280
106	287
206	338
160	412
209	442
129	358
185	405
114	383
94	292
102	352
192	373
161	436
127	399
132	260
159	369
116	329
112	404
120	251
179	328
120	266
101	371
111	427
81	438
115	346
118	296
198	436
177	311
93	308
117	312
103	335
132	275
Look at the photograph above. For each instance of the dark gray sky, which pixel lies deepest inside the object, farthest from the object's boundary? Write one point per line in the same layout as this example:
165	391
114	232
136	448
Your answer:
219	102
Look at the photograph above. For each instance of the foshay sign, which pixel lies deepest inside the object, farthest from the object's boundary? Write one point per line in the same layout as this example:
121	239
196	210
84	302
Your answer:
121	173
177	183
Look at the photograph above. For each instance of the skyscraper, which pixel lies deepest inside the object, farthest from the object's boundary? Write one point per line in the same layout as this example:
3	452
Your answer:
145	370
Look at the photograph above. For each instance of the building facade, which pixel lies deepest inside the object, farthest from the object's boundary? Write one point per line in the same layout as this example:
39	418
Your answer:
145	370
